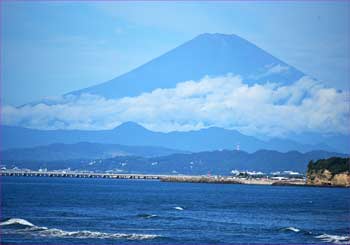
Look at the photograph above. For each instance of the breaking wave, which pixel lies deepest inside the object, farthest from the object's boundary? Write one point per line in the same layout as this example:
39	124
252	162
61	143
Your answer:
334	239
147	216
15	221
29	228
291	229
179	208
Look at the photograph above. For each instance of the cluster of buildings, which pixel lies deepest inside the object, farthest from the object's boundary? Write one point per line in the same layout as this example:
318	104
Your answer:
279	175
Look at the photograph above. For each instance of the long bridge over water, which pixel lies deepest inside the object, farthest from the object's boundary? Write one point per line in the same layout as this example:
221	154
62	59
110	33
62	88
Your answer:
167	178
79	174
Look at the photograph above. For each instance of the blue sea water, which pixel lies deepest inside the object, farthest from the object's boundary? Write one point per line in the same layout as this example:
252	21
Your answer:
105	211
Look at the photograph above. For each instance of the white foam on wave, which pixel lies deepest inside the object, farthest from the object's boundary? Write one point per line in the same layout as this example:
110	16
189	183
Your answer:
292	229
179	208
334	239
94	234
16	221
53	232
147	216
151	216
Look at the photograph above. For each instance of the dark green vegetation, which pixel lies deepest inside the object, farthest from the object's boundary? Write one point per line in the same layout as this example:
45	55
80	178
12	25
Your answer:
335	165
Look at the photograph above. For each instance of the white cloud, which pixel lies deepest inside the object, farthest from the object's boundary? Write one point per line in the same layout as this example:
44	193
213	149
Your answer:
225	101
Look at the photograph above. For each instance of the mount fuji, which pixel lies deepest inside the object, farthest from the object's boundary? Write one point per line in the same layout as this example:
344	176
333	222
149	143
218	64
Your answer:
205	55
210	55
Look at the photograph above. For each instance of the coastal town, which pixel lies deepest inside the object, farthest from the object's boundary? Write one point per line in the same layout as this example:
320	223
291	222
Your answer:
235	177
324	172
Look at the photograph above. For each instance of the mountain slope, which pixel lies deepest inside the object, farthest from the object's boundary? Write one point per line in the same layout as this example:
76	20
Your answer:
133	134
82	150
206	54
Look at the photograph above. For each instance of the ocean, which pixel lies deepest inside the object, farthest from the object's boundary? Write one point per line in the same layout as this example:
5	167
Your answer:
106	211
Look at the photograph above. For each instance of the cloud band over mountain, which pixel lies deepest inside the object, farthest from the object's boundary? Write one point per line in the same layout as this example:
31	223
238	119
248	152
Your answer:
224	101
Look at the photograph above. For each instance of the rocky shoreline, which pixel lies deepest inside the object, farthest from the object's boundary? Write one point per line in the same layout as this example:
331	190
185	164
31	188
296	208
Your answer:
329	172
230	180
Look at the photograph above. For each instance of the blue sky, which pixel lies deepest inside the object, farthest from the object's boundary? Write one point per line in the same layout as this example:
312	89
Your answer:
50	48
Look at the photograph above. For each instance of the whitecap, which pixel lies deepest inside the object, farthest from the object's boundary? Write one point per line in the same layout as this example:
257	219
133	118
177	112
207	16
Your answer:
41	231
179	208
292	229
94	234
334	239
147	216
16	221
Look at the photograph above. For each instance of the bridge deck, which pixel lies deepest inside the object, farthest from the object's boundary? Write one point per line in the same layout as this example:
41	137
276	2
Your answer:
79	175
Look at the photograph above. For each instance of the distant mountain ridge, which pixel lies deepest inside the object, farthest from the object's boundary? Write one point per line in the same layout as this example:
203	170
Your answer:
83	150
215	162
132	134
